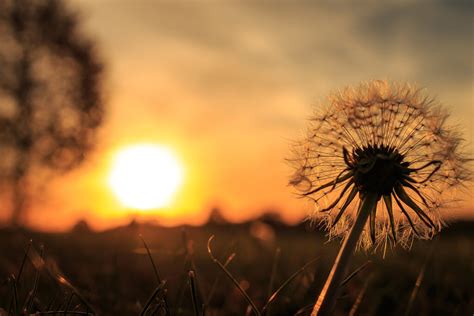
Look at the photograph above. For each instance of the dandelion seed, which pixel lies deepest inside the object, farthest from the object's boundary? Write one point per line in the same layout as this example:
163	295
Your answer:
380	156
384	139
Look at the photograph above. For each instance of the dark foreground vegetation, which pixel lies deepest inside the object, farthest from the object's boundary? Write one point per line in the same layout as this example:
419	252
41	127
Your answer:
110	273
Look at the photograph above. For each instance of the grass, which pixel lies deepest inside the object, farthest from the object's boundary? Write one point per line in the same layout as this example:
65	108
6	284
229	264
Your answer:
148	270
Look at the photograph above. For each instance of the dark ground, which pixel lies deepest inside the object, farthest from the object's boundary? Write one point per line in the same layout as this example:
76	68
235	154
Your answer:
111	271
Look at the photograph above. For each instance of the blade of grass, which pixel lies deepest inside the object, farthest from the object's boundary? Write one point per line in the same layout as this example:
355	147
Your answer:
189	250
353	274
155	310
152	297
54	299
304	309
25	256
192	287
66	309
16	280
291	278
415	290
276	258
31	295
54	273
188	264
419	279
14	300
229	275
63	302
155	270
63	281
157	276
361	294
214	285
81	298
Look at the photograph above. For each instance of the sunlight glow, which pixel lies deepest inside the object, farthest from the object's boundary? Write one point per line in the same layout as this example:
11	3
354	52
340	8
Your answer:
145	176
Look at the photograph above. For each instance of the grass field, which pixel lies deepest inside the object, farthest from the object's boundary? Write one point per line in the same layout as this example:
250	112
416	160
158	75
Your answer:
112	273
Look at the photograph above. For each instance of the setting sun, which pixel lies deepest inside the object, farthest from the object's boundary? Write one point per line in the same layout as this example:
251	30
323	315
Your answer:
145	176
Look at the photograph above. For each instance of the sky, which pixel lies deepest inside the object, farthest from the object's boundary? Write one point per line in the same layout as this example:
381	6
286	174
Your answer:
228	85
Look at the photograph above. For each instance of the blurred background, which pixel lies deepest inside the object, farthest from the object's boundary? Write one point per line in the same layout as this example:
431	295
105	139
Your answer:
227	87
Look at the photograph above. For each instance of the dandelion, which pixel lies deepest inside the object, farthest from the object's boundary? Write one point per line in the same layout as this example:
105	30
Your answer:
379	156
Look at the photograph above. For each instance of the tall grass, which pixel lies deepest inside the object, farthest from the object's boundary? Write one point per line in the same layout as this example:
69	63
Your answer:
146	275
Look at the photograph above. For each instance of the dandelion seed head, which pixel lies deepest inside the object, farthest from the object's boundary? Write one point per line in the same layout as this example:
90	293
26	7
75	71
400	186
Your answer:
386	139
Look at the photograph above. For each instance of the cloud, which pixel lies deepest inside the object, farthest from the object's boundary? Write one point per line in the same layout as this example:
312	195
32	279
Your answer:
436	35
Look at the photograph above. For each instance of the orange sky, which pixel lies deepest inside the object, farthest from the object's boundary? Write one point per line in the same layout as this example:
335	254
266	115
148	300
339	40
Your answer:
228	86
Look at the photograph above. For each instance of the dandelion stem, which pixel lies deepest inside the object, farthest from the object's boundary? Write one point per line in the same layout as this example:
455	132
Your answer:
328	295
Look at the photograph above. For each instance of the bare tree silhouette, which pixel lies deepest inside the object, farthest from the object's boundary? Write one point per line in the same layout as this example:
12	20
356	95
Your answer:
50	96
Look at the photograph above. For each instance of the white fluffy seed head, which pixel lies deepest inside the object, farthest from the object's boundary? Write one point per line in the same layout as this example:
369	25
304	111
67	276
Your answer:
379	113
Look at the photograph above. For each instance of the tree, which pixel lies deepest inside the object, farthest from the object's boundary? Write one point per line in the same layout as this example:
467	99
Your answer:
50	95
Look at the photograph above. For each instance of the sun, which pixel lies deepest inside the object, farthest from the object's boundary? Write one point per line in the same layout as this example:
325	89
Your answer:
145	176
